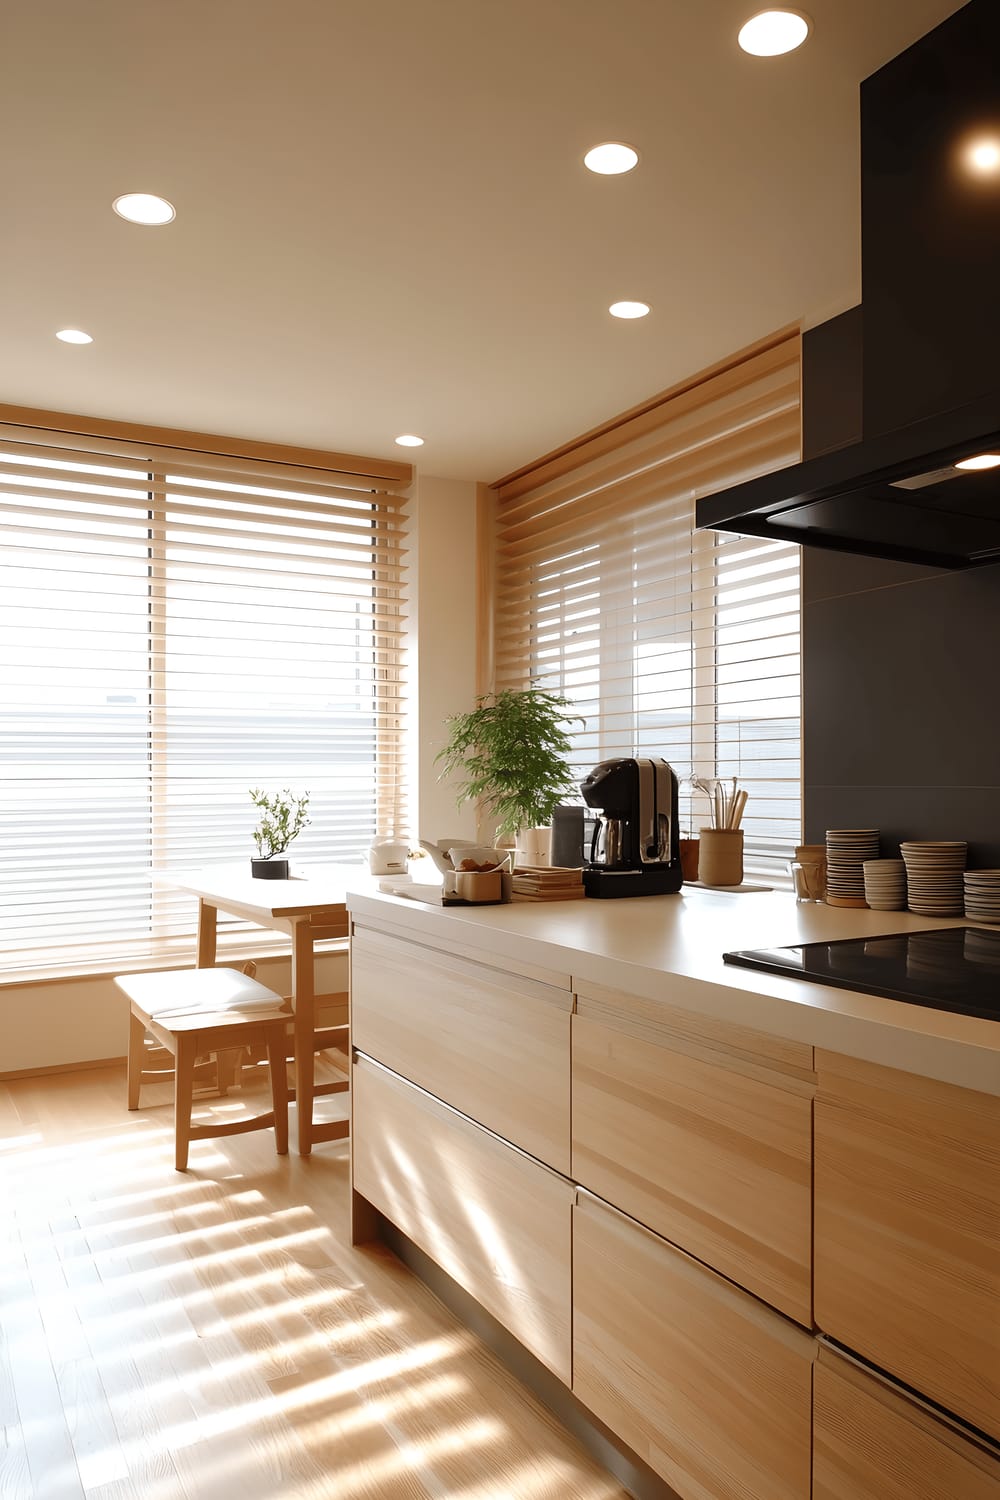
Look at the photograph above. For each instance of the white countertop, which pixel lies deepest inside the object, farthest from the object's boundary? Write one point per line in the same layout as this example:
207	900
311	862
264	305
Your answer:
670	948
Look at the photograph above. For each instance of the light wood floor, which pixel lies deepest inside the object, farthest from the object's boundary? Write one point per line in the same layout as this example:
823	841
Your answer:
167	1336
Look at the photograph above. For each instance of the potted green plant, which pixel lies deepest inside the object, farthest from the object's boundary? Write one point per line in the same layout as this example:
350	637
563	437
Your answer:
512	753
282	818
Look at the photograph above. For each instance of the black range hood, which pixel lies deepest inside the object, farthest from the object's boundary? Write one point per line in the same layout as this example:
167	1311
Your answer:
897	495
909	381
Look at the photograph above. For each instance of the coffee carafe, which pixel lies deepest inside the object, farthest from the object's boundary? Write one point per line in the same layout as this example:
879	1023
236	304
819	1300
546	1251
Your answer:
635	850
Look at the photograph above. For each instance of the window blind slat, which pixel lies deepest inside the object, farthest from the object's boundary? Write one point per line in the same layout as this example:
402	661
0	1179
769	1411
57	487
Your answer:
782	351
667	641
172	634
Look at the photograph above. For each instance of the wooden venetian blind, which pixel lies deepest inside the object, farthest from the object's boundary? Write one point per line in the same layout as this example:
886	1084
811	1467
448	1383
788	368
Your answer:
177	627
668	641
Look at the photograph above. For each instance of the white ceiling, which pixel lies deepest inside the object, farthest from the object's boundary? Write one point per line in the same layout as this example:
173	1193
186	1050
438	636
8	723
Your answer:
383	222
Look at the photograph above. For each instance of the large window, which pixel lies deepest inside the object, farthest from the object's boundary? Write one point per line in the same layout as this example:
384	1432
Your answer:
668	641
176	629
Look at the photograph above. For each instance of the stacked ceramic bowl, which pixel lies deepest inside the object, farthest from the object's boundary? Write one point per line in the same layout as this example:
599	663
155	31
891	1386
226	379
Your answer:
982	895
885	884
846	851
934	876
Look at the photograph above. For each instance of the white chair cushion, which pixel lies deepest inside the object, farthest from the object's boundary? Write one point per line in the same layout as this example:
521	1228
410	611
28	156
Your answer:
188	990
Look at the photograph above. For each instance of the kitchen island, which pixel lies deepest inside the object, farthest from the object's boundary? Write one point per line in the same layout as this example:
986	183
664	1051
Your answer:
751	1223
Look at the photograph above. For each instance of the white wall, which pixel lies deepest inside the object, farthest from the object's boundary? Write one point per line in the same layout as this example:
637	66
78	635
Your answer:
443	662
86	1020
81	1020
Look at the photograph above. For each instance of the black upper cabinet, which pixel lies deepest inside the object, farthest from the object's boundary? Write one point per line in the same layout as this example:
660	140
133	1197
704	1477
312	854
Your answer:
831	383
931	223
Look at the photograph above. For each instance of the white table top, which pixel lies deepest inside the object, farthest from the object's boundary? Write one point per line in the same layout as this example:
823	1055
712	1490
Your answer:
310	891
670	948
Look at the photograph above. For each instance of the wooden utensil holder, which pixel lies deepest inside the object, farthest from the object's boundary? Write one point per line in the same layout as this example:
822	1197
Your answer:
720	856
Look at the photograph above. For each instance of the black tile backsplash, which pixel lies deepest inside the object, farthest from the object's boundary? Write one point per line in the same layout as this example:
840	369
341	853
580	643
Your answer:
901	701
831	574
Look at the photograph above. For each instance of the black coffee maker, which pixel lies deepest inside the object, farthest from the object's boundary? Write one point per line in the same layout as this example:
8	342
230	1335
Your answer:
635	850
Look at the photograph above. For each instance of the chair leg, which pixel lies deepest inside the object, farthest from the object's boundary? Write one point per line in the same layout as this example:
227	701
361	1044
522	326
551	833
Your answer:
228	1061
305	1088
133	1067
278	1070
183	1100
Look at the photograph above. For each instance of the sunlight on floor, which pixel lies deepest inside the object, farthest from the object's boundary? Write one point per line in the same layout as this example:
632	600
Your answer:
213	1336
19	1142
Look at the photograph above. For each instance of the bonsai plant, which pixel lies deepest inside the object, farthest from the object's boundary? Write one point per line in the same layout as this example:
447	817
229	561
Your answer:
512	752
282	818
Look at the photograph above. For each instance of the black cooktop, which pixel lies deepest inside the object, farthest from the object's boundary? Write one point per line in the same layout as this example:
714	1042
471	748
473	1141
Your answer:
945	968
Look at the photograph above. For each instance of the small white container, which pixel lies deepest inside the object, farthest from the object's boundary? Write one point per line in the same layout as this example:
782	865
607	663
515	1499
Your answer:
388	857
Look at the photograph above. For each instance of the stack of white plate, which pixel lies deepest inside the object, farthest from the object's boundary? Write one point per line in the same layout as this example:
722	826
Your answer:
934	876
982	895
846	851
885	884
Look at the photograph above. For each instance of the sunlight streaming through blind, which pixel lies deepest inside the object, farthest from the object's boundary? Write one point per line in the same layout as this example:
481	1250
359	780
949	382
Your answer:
668	641
176	629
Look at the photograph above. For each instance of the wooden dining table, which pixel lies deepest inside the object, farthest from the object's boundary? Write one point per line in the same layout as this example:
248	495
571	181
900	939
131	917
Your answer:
310	906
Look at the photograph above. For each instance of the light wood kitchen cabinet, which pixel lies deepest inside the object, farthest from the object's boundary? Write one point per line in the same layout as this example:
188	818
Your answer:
907	1225
493	1043
711	1388
493	1218
703	1132
871	1442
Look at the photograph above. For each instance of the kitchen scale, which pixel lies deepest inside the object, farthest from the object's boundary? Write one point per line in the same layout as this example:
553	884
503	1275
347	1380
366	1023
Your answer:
944	968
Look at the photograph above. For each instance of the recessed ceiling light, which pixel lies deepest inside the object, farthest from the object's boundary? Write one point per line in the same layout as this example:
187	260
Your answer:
980	461
772	32
628	309
144	208
409	441
984	156
74	336
611	158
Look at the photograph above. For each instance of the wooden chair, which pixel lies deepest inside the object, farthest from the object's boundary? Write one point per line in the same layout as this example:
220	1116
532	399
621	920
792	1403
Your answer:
199	1011
331	1037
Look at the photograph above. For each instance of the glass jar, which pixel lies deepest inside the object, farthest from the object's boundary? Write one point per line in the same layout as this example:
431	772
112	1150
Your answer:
808	879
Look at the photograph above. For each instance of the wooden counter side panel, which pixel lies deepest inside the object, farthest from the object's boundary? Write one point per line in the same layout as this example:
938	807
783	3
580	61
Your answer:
714	1160
710	1388
871	1443
497	1222
907	1225
454	946
660	1021
495	1046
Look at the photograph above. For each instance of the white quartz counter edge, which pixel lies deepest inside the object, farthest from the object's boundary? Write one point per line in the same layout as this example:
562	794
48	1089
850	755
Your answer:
670	948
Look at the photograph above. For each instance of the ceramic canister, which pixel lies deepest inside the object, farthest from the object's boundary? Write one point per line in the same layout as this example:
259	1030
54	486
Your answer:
720	856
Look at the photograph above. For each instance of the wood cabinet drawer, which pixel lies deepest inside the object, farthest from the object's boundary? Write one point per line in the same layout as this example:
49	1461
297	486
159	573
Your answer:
494	1045
495	1220
908	1230
710	1149
871	1442
712	1389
